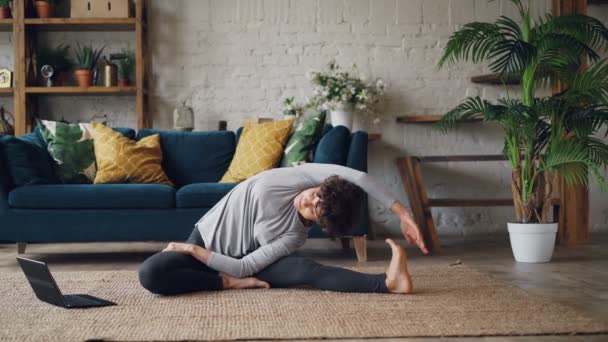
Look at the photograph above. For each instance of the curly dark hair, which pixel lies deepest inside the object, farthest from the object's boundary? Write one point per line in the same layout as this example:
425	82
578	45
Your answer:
340	205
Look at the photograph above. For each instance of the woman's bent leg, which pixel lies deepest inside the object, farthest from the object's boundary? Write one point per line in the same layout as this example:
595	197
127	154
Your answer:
170	273
293	271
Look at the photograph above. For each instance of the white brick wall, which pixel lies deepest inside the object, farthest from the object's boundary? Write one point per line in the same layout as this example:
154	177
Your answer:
238	58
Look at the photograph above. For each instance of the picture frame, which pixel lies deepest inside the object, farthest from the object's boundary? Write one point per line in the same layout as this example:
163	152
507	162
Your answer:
6	78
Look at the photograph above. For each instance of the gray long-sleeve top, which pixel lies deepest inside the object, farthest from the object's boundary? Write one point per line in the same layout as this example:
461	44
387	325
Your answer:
256	223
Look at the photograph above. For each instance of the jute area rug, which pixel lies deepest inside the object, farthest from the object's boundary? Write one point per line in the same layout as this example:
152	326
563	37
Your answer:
450	301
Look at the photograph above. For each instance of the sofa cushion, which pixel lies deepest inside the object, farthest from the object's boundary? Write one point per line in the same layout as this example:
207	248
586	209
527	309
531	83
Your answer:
27	162
127	132
194	157
202	195
122	160
260	148
71	146
93	196
299	146
333	147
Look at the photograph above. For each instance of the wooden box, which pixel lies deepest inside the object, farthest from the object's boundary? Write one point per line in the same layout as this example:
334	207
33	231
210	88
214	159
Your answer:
100	9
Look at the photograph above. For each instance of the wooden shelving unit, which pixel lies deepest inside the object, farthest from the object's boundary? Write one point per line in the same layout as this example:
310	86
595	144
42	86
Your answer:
424	119
6	91
494	79
97	90
6	25
25	31
78	24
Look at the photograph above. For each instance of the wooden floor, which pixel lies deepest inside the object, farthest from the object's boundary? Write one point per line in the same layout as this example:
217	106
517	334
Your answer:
577	275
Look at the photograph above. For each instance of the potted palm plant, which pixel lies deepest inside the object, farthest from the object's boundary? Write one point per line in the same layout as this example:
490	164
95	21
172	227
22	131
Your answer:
545	137
46	8
86	61
5	9
57	58
126	66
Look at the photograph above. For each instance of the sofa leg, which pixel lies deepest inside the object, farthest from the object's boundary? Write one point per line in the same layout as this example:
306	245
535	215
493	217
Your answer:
345	244
361	248
21	247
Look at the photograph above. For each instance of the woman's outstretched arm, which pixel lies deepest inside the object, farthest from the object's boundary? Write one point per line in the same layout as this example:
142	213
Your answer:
317	173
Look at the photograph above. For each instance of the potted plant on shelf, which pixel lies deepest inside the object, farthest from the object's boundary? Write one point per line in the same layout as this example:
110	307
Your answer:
46	8
126	66
58	59
5	9
86	61
344	93
545	137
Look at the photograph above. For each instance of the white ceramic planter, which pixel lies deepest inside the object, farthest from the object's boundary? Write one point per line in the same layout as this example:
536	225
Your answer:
343	116
532	242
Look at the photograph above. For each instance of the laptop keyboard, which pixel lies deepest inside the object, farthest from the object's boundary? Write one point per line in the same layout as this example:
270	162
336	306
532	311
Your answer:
78	301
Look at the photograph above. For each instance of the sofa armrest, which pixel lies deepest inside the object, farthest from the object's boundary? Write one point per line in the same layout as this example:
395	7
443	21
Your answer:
357	159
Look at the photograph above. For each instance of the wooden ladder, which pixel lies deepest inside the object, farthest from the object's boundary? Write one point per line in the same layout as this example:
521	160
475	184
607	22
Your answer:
413	183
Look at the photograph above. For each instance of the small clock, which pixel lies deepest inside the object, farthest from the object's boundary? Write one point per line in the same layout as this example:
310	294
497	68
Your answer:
6	78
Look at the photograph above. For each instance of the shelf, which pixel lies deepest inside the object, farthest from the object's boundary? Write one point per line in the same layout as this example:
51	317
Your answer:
6	91
374	137
97	90
81	24
6	25
425	119
494	80
453	202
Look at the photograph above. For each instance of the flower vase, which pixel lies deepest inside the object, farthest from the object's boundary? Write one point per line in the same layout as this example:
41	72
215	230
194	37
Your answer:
343	116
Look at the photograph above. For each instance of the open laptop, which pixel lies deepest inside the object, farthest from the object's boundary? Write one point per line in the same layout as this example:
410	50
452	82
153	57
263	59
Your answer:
46	289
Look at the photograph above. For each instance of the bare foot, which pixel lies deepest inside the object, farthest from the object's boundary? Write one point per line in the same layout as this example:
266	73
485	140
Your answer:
398	278
232	283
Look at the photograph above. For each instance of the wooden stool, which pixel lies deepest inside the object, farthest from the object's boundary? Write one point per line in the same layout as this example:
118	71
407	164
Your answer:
409	169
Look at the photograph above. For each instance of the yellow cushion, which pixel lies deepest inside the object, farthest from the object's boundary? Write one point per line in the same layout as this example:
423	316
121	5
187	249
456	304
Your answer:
260	148
122	160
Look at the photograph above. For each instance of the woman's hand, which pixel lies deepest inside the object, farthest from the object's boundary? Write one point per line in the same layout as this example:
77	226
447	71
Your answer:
411	232
409	228
183	248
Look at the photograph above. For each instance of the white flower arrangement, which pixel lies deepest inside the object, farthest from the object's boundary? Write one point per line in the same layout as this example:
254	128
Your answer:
336	88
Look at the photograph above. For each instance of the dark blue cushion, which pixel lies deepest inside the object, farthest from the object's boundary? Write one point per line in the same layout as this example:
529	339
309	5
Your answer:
238	135
127	132
194	157
202	195
27	162
333	147
93	196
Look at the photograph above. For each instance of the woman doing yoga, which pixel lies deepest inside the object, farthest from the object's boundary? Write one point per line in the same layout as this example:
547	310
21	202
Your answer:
247	239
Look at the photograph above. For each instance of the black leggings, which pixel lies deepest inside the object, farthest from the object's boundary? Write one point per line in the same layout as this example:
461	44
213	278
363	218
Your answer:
170	273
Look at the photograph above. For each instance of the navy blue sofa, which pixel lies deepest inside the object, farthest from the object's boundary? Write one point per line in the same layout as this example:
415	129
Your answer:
194	161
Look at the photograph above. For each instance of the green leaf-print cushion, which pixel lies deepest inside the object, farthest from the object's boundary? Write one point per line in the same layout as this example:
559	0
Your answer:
71	146
298	149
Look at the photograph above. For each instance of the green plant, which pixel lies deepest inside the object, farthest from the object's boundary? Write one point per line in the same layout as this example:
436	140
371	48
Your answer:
5	3
126	65
293	108
56	57
544	136
87	57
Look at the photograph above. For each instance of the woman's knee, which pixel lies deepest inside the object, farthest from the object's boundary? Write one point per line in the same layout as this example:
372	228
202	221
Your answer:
152	274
